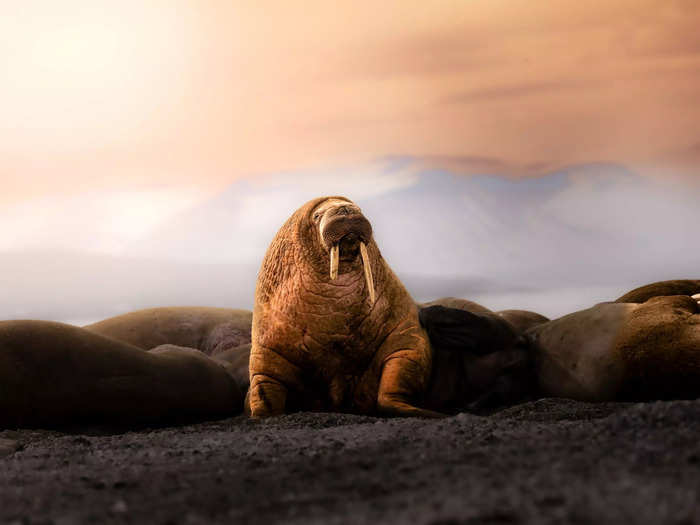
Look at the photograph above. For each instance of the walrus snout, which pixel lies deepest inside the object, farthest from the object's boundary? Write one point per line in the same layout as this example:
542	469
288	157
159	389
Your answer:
344	228
343	224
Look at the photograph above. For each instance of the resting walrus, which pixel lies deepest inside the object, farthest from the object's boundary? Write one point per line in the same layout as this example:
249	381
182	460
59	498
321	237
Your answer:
333	327
625	351
210	330
221	333
612	351
58	374
660	288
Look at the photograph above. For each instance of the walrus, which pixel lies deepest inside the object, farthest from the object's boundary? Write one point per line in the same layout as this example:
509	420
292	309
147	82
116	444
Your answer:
221	333
611	352
477	362
621	351
520	320
210	330
333	328
53	374
661	288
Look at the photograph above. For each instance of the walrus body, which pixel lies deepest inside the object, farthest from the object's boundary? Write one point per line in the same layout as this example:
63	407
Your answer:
333	327
621	351
661	288
210	330
221	333
522	320
519	320
56	374
477	361
613	351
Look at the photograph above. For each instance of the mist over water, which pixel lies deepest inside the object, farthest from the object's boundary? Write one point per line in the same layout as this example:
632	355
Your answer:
553	244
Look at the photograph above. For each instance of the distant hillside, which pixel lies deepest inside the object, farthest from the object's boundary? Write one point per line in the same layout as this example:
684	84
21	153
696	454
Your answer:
592	224
82	288
555	243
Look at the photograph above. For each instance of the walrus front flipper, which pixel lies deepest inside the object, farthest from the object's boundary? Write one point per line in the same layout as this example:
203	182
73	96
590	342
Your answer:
402	377
455	330
52	374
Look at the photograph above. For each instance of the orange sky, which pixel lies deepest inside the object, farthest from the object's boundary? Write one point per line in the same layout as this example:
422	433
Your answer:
120	95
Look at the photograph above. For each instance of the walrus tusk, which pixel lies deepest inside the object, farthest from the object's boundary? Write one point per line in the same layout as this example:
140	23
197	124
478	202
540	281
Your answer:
335	258
368	272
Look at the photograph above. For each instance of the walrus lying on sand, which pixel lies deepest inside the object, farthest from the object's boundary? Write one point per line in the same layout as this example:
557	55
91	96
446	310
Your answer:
477	363
612	351
210	330
221	333
54	374
661	288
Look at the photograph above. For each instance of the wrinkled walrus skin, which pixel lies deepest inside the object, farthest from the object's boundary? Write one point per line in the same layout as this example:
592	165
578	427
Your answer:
352	343
53	374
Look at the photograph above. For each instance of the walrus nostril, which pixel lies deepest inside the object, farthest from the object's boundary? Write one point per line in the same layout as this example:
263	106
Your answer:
343	210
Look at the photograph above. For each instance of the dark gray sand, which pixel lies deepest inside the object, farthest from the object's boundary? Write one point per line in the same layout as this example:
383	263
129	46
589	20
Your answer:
549	461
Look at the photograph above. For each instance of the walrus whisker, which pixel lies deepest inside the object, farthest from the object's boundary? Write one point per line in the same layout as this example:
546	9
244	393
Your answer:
335	259
368	272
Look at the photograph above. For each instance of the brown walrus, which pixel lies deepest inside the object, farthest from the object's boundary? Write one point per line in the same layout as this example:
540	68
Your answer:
520	320
56	374
612	351
221	333
478	363
333	327
621	351
661	288
210	330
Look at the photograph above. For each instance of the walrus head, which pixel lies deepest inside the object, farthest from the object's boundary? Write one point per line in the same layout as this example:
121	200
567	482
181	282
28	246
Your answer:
343	233
328	236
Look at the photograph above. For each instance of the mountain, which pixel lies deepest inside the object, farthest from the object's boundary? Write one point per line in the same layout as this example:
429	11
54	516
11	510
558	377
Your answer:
594	224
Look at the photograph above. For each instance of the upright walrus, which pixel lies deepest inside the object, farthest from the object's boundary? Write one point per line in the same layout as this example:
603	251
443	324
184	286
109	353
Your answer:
333	327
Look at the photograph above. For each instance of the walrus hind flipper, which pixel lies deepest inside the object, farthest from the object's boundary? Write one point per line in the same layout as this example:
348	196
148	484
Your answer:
456	330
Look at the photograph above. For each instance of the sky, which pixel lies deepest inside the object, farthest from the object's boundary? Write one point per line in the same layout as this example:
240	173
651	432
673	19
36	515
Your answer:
120	118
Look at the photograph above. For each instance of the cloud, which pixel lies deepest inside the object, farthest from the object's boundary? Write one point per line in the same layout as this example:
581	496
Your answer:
99	221
233	90
495	93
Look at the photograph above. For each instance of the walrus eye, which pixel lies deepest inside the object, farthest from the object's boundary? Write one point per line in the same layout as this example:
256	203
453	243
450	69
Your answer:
317	216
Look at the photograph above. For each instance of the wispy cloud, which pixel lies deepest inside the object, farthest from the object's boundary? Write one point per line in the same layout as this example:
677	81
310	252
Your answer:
122	95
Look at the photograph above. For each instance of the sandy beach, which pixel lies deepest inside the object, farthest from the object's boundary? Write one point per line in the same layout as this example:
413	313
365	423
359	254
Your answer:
547	461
